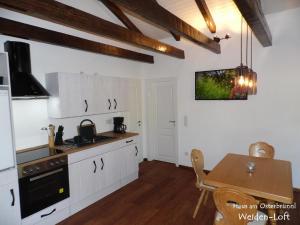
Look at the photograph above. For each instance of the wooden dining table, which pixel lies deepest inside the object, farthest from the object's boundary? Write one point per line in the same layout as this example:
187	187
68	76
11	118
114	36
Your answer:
271	179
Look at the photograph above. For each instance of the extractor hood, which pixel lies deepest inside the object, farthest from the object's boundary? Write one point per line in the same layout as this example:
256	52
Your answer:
23	84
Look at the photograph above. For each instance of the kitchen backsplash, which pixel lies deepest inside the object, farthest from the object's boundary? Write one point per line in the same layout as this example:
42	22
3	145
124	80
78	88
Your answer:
31	115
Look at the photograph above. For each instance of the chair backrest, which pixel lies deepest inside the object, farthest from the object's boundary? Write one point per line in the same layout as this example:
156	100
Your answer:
233	205
262	149
198	165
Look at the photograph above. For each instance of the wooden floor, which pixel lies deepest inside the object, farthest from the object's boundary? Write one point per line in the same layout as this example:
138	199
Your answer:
163	195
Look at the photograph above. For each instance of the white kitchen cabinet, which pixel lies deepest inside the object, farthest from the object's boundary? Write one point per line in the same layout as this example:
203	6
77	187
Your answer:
98	171
9	198
65	91
81	94
88	98
130	163
112	168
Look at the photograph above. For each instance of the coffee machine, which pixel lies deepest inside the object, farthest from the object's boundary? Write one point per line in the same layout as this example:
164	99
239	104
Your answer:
119	127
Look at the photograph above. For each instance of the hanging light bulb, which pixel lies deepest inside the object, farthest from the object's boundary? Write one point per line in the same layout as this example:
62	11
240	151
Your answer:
242	70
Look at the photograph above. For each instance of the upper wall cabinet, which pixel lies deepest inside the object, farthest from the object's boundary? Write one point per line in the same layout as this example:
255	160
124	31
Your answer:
81	94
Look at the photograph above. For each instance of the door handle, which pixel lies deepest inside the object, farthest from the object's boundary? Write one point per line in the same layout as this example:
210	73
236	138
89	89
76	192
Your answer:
95	169
86	105
116	104
13	197
48	214
172	121
102	164
129	141
136	150
109	107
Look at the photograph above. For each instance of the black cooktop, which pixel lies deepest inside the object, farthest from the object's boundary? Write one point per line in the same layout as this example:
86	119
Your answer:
28	156
80	142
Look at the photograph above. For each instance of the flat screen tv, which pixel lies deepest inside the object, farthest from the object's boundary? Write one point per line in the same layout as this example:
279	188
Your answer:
219	85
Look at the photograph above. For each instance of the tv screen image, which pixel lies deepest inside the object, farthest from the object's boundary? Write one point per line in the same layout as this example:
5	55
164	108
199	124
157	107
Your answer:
219	85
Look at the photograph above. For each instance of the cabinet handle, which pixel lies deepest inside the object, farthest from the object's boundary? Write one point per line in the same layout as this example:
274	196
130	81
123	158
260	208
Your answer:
102	164
48	214
116	104
95	169
86	105
129	141
13	197
136	150
109	107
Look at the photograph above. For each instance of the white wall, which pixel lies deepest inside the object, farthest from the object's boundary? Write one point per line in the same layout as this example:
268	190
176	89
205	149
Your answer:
31	115
220	127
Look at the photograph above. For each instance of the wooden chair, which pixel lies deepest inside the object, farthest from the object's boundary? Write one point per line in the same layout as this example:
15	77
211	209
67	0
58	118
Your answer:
262	149
198	165
231	204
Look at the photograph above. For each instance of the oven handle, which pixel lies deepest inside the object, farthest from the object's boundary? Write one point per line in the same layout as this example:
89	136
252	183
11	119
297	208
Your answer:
48	214
46	174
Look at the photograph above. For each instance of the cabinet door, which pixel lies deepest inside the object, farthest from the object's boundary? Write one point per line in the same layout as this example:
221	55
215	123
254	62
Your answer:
88	94
122	95
9	206
132	159
100	98
90	177
108	94
112	168
70	95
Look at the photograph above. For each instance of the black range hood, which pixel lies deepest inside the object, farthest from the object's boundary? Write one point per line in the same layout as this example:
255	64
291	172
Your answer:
23	84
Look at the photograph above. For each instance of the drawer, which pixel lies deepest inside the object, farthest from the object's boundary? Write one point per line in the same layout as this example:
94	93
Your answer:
45	215
129	141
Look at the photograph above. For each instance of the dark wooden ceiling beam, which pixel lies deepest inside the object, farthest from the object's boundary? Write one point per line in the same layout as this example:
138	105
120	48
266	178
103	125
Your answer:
124	18
21	30
120	15
175	36
253	14
66	15
207	15
150	10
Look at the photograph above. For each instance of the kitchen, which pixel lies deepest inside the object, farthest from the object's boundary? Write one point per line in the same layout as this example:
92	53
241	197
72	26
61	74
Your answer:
84	85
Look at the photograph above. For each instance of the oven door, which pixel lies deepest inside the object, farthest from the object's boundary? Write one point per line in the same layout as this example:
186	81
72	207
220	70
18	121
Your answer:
43	190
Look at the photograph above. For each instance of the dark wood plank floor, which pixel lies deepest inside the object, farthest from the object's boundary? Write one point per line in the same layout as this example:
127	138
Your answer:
163	195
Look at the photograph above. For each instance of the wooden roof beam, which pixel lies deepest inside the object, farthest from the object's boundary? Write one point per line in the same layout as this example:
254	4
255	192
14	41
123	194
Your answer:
150	10
253	14
66	15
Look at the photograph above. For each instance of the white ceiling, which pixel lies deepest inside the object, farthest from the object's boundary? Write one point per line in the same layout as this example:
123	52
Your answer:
224	12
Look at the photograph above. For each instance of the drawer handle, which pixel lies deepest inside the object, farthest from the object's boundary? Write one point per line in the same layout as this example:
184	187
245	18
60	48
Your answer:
95	166
102	164
136	150
13	197
129	141
48	214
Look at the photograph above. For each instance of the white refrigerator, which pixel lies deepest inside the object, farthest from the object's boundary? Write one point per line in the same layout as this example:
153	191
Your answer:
7	159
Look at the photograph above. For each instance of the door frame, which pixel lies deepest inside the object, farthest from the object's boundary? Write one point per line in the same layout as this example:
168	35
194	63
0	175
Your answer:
151	120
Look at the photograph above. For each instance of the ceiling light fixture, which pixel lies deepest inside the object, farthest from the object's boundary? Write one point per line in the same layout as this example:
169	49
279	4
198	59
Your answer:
218	39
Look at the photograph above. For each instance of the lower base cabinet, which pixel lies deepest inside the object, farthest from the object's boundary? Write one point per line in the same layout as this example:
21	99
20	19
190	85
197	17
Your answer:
95	177
9	198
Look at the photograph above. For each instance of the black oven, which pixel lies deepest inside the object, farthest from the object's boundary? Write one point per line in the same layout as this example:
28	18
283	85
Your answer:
45	188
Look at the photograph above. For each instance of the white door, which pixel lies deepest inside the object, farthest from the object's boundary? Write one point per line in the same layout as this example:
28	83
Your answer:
9	206
6	139
164	133
135	112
